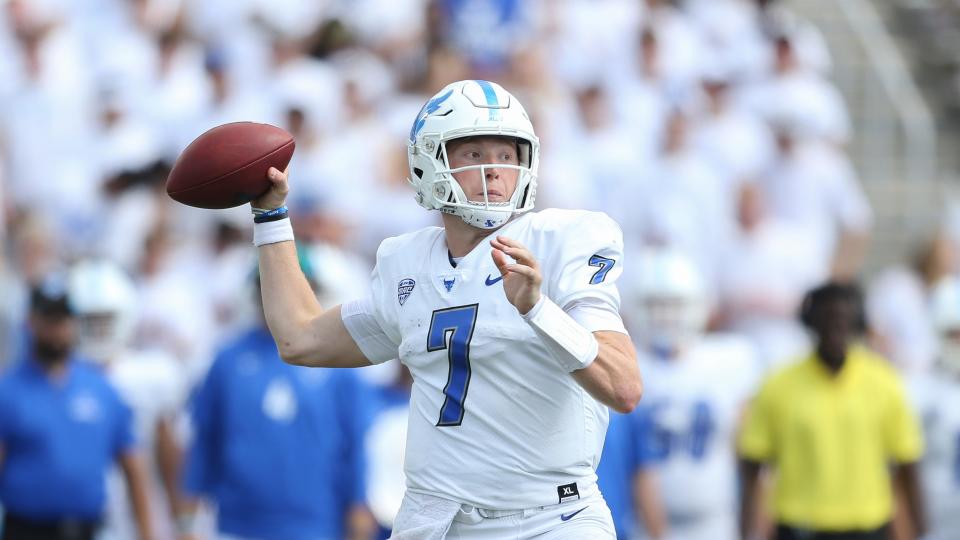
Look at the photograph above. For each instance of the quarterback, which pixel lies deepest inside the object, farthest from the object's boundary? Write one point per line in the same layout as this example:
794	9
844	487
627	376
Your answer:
507	319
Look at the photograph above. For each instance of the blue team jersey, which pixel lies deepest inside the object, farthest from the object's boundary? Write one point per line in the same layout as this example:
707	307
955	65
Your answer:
59	436
278	447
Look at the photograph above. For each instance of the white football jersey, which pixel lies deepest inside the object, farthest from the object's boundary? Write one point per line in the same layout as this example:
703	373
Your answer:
937	398
691	409
154	386
495	422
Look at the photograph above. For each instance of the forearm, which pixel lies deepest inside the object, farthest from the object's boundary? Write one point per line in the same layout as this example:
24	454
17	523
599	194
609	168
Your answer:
649	504
908	483
749	481
288	301
136	479
614	376
169	460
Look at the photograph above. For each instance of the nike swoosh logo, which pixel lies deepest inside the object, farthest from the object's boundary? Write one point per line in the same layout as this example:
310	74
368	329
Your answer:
492	281
568	517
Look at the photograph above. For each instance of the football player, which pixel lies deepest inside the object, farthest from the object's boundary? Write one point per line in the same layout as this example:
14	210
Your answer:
684	433
507	319
150	382
937	396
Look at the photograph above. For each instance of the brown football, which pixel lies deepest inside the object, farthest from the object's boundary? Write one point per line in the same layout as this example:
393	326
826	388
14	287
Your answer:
227	165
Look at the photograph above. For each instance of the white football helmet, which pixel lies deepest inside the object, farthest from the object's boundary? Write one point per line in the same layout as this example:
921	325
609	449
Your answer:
667	299
469	109
104	300
945	309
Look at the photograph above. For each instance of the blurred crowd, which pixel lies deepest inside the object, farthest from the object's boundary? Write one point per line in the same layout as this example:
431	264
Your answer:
709	128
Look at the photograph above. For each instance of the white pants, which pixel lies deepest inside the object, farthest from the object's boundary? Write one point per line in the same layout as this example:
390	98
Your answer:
423	517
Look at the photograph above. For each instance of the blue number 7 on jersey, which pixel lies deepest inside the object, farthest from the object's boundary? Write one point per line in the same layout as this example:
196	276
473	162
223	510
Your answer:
452	329
605	265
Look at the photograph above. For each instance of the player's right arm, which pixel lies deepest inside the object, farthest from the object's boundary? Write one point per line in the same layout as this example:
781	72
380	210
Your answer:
750	496
135	473
306	334
649	504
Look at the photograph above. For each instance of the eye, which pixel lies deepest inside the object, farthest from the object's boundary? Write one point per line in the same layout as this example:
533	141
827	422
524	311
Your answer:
473	154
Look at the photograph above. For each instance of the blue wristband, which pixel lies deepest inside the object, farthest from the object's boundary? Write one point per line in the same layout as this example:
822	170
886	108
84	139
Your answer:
271	215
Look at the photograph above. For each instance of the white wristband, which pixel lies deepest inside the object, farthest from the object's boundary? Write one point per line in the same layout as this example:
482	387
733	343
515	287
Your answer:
272	232
573	346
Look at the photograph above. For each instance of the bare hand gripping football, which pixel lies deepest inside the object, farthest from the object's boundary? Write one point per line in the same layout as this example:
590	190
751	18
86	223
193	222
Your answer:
227	165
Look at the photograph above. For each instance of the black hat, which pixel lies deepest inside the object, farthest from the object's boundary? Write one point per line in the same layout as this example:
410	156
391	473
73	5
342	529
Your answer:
49	297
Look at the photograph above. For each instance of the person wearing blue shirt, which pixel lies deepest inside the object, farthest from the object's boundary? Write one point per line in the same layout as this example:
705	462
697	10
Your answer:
278	448
61	427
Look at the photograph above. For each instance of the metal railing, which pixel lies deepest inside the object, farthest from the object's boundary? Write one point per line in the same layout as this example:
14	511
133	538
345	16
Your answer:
889	86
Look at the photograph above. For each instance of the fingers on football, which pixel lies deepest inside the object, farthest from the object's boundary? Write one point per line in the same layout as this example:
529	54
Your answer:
275	176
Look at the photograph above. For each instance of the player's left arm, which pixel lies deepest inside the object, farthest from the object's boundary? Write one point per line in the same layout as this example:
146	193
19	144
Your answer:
135	474
603	362
169	457
903	441
614	376
648	502
906	479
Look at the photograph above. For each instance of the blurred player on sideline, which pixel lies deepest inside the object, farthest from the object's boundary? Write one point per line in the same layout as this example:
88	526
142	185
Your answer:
937	395
507	319
683	434
385	481
150	382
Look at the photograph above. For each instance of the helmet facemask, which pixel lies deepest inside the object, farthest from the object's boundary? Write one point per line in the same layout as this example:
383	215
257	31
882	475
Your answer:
104	300
103	335
670	324
485	214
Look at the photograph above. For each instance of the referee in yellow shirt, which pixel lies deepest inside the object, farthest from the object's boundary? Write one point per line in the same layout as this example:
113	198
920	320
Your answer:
833	427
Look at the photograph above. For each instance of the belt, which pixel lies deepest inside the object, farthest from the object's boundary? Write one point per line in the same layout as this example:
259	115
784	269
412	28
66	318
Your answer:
495	514
16	527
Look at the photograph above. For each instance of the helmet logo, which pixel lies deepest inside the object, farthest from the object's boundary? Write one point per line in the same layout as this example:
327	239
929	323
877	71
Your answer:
439	191
428	109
